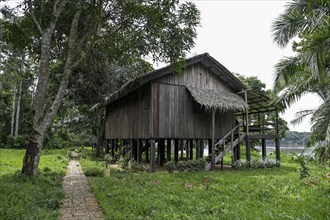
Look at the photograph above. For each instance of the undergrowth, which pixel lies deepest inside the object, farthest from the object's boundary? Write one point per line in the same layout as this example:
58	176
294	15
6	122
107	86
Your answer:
31	197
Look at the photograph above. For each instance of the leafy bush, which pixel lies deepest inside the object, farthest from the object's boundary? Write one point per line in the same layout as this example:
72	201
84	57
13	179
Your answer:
239	165
138	167
170	166
188	166
242	164
303	170
93	171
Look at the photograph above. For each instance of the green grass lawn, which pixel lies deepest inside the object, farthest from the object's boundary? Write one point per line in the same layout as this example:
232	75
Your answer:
31	198
271	193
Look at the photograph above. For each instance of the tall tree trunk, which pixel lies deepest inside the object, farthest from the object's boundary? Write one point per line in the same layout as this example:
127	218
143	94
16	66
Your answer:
42	121
12	124
18	108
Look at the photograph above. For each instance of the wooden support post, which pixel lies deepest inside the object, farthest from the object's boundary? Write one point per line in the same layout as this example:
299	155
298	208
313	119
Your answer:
198	143
187	149
181	146
134	149
246	114
138	152
147	150
112	148
176	150
107	147
168	149
152	155
191	157
212	142
202	147
210	146
161	149
238	150
248	152
263	148
278	151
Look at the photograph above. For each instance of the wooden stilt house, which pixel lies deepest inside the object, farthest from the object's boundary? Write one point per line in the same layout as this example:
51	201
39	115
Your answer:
205	105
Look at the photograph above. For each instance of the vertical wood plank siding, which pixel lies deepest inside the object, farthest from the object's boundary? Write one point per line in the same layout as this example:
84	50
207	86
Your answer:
128	117
173	116
170	112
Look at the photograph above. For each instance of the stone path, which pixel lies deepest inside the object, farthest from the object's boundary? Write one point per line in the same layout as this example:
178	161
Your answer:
79	201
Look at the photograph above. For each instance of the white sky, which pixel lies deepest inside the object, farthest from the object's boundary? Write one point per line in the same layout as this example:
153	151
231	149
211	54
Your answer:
238	35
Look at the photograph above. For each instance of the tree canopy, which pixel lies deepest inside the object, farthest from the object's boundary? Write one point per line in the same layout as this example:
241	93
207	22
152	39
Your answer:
63	34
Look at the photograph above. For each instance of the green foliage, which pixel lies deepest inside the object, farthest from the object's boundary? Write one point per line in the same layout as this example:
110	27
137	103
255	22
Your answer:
170	166
93	171
138	167
308	70
295	138
31	198
190	165
303	169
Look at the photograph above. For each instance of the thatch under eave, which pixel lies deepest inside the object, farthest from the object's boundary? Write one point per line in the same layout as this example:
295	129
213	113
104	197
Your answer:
218	99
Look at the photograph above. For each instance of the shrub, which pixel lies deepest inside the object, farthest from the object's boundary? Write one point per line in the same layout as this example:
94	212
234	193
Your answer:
138	167
303	170
191	165
170	166
239	164
94	171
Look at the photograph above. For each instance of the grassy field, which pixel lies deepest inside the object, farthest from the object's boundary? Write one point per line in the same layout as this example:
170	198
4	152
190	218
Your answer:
271	193
31	198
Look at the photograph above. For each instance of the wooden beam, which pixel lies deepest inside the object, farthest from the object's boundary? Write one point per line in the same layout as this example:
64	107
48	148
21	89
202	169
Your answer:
176	150
278	152
263	148
198	143
248	151
246	114
191	149
113	148
168	149
263	136
187	149
138	152
181	147
213	142
161	149
152	155
147	150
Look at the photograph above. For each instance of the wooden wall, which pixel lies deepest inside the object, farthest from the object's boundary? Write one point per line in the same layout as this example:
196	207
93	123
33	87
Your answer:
196	75
128	117
174	117
170	113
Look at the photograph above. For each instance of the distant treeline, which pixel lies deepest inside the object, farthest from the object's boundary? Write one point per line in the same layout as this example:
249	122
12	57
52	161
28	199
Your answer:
293	138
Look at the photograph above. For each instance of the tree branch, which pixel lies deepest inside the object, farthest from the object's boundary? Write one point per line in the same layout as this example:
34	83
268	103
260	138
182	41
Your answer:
34	17
67	72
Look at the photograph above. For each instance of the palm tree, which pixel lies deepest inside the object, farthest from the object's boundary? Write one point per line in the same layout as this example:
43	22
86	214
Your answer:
308	71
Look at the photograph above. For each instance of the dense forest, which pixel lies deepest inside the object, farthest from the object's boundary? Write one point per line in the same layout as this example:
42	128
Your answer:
294	138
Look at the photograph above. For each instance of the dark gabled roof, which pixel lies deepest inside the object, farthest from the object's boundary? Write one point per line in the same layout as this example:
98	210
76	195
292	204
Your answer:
205	59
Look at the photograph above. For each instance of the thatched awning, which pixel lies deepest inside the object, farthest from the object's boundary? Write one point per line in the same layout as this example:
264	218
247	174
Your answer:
217	99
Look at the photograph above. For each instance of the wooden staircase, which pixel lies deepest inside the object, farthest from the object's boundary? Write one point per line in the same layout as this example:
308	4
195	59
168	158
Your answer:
225	145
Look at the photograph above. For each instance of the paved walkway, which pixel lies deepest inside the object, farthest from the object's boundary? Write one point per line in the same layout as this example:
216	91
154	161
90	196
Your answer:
79	201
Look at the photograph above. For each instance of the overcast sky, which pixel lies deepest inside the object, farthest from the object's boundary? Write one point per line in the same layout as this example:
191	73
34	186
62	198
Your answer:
238	35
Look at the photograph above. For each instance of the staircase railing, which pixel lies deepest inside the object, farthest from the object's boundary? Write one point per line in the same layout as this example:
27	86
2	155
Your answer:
221	147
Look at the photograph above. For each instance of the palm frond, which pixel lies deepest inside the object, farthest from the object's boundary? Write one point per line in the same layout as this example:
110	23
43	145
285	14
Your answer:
301	115
300	17
321	122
